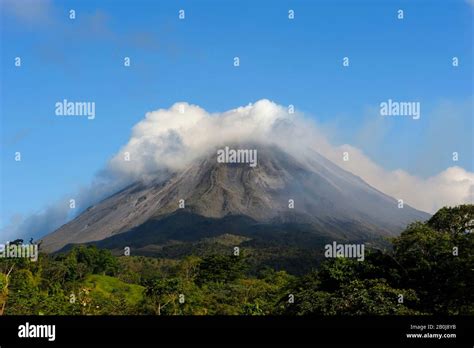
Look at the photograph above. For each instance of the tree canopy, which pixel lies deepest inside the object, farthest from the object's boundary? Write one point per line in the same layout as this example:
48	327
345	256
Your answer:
427	270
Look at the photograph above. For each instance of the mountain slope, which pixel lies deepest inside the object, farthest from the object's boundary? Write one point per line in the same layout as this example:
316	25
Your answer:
331	200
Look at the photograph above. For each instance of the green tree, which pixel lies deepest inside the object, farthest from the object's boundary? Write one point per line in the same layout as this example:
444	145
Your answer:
437	259
162	293
220	268
4	285
454	220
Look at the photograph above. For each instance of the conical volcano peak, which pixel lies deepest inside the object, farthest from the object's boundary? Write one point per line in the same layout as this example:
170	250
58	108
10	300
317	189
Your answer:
262	182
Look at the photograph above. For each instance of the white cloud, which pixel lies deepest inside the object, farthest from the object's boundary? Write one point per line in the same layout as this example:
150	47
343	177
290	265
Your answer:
169	139
450	187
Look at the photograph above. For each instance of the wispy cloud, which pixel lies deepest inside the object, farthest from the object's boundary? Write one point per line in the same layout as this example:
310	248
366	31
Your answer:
29	12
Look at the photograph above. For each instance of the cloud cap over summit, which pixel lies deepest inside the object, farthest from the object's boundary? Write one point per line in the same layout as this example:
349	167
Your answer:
172	138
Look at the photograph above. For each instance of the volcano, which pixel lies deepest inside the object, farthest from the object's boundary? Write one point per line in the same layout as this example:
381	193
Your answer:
280	194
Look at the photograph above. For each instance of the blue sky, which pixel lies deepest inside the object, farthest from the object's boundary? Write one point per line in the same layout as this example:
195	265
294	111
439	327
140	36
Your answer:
290	62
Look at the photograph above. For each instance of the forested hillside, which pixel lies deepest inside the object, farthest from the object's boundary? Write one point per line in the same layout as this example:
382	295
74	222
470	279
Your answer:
428	269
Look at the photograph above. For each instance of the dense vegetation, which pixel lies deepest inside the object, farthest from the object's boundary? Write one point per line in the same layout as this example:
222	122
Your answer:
429	269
